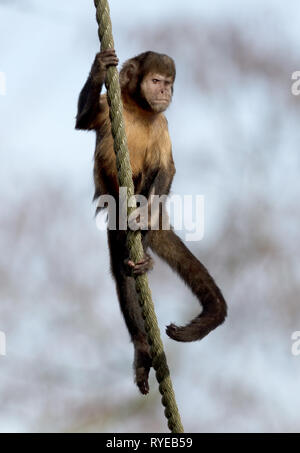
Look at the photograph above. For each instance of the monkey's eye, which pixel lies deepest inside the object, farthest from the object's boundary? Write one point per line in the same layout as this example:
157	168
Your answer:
155	80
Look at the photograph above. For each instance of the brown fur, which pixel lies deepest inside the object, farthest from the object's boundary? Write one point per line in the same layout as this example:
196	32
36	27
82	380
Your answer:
153	170
148	142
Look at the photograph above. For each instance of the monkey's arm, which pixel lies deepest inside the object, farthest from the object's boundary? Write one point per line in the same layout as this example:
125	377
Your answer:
89	98
88	105
160	187
163	180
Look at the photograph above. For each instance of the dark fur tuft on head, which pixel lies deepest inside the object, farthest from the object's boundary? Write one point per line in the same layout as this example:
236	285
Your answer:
134	70
156	62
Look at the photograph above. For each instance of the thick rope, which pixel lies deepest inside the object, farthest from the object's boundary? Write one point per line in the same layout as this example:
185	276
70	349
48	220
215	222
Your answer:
134	243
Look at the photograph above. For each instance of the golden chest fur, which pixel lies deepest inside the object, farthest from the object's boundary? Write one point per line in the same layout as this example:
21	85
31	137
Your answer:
148	141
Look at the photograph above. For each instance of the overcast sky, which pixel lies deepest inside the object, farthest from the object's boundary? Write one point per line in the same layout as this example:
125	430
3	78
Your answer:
46	49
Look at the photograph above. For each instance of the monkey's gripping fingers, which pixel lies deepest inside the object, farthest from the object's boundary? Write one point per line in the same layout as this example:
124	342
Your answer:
105	59
145	265
102	61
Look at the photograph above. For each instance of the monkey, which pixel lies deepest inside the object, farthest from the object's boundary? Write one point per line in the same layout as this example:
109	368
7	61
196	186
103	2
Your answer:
147	84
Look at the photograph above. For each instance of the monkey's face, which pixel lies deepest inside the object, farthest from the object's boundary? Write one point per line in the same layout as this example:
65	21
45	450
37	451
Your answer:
157	89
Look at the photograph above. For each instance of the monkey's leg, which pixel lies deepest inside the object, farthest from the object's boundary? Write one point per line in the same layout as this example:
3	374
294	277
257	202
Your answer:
132	314
130	308
167	245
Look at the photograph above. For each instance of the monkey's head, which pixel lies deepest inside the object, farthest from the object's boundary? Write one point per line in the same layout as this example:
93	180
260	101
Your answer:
148	79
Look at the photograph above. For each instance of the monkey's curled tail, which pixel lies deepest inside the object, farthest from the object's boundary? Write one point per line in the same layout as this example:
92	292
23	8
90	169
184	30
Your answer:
168	246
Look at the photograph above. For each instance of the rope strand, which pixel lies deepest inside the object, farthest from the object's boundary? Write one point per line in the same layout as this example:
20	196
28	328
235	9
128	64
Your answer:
134	243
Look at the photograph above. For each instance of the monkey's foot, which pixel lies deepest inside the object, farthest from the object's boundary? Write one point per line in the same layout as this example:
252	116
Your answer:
142	365
145	265
141	377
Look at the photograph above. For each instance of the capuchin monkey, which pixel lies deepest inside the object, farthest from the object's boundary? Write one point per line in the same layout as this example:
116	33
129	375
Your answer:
146	87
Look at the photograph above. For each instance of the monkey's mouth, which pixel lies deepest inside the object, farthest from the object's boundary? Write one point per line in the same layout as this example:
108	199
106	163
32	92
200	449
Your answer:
161	101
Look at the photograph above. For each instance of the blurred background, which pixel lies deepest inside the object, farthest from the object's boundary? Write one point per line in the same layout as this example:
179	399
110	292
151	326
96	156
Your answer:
234	124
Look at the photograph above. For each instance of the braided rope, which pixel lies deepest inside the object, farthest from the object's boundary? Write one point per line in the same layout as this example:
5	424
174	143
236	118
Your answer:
134	243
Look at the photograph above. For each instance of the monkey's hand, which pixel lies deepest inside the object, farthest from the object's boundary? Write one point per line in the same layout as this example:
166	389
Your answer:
102	61
143	266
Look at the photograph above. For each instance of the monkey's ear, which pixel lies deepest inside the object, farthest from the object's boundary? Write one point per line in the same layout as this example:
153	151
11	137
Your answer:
128	72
